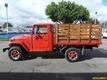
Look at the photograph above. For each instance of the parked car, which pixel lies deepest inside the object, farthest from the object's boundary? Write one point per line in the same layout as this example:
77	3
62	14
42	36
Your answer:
104	34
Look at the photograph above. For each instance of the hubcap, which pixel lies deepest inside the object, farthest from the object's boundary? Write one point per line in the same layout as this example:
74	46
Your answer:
15	54
72	55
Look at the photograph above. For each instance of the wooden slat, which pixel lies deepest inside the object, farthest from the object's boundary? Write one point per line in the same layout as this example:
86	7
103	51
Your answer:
74	37
70	34
77	32
85	40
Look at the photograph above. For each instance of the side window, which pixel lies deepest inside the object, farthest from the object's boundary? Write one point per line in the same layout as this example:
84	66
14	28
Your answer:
40	30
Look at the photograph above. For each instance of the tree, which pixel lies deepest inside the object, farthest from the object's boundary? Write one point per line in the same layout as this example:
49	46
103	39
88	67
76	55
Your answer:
5	25
66	12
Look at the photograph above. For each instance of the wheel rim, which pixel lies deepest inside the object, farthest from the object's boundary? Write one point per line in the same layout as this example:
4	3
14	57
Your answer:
72	55
15	54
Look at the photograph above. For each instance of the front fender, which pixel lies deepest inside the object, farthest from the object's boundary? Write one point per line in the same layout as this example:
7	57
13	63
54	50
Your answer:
22	45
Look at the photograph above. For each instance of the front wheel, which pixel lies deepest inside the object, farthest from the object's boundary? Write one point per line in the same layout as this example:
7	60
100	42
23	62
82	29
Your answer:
15	53
72	54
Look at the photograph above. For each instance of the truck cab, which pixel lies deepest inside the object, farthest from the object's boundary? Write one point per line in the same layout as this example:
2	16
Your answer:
40	40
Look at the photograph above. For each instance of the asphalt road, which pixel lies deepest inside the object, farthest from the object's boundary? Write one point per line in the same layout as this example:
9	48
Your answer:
93	62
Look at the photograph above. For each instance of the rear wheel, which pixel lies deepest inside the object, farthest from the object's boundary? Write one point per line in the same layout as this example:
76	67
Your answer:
15	53
72	54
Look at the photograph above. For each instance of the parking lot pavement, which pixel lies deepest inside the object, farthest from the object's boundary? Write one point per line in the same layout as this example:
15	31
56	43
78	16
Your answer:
93	61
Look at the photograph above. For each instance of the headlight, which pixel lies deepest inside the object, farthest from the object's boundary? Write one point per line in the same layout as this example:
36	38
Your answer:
12	40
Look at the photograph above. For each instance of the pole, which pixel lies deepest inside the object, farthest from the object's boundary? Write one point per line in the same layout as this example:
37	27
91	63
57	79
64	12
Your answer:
95	17
6	5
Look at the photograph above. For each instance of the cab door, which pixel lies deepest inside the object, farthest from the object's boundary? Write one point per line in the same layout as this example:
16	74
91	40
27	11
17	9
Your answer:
42	38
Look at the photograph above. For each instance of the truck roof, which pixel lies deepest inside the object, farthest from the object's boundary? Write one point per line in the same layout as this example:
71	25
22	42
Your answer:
43	24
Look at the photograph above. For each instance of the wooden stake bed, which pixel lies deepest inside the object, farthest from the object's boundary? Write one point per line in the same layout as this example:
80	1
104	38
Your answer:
78	34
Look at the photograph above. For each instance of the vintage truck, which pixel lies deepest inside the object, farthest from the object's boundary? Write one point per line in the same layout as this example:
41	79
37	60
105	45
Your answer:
69	40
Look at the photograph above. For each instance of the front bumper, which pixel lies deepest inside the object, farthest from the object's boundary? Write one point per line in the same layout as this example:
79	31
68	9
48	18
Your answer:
4	49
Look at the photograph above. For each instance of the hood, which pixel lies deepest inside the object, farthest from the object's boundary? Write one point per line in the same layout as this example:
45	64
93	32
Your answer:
20	36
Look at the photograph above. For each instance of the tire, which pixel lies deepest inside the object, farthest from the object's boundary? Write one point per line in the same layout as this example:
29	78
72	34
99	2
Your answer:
15	53
73	54
26	55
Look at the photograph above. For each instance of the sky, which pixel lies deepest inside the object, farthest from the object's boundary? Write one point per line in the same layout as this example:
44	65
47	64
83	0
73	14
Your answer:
28	12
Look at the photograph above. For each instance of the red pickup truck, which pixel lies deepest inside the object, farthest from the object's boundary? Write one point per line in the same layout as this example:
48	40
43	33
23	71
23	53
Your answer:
69	40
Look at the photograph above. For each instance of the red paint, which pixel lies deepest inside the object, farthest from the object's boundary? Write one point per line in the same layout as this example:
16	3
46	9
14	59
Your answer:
41	42
22	40
72	55
15	54
80	43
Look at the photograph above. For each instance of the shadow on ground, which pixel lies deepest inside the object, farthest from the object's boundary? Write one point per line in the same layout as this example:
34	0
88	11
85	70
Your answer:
51	76
45	56
95	53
